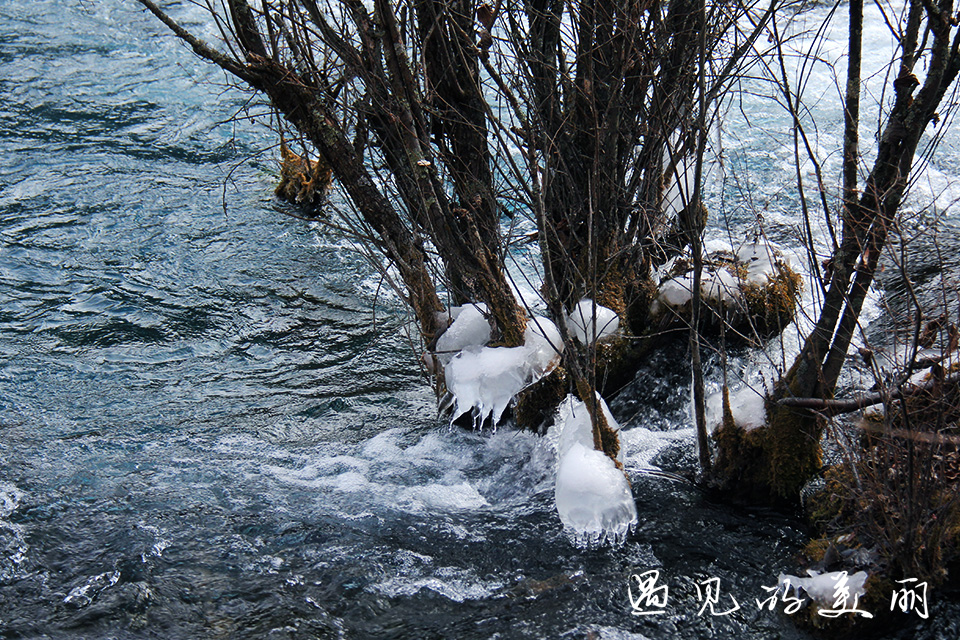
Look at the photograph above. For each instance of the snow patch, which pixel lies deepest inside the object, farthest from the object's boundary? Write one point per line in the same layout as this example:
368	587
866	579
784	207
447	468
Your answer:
576	427
760	260
675	292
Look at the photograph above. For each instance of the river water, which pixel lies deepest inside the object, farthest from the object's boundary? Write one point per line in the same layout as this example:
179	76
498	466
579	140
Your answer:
212	424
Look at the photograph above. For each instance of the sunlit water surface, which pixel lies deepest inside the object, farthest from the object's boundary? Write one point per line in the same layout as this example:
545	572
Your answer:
212	424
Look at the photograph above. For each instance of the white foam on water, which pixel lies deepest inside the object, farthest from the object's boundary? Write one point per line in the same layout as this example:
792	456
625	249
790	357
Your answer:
84	594
454	584
614	633
13	542
10	498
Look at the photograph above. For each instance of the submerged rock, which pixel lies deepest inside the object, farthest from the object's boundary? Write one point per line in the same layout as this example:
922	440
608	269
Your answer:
302	181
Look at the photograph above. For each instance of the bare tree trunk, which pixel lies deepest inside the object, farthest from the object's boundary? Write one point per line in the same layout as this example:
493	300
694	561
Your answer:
397	100
778	459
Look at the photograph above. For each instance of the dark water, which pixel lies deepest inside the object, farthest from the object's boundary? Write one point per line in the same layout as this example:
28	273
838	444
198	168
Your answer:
208	429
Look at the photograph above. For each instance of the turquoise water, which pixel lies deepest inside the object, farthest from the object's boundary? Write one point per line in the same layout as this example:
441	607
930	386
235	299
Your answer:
212	424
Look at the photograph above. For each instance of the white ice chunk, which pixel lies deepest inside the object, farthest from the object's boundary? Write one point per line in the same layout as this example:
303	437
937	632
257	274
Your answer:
676	292
487	378
580	322
720	286
543	339
760	262
827	588
748	406
470	328
593	497
574	424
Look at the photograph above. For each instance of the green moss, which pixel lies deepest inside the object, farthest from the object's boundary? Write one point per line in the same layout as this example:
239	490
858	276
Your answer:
769	463
830	505
793	444
535	406
771	306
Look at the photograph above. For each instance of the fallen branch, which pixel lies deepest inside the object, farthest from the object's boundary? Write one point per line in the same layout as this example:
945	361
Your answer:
836	406
917	436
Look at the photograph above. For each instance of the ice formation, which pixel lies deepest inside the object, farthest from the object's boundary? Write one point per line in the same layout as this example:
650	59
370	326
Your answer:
719	284
574	424
823	588
485	379
759	260
580	322
747	404
470	328
593	496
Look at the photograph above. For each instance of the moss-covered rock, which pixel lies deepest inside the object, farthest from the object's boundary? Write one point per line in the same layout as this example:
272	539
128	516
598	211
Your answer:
770	463
535	406
302	181
753	290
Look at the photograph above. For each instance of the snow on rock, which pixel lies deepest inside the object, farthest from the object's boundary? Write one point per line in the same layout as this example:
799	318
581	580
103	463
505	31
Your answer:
823	588
749	408
470	328
759	260
580	322
486	379
720	285
593	496
675	292
721	279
